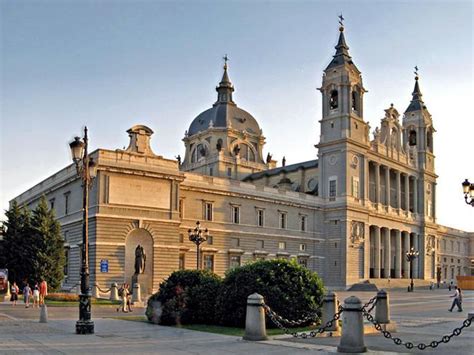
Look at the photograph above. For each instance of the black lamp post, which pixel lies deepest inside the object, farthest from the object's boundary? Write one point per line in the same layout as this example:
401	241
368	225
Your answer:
468	190
412	254
86	170
198	236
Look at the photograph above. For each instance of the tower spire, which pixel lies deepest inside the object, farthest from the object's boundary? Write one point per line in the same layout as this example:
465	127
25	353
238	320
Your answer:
225	88
342	49
417	97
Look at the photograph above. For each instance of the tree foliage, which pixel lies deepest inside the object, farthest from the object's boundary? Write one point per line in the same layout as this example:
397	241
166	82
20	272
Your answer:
33	249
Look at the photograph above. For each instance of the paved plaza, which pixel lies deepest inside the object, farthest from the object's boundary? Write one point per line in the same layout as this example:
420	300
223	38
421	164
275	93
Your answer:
421	317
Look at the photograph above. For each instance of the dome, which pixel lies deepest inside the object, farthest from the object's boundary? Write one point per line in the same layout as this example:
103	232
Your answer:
224	115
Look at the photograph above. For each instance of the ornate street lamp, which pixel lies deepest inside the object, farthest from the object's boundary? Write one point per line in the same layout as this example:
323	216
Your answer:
468	190
86	169
412	254
198	236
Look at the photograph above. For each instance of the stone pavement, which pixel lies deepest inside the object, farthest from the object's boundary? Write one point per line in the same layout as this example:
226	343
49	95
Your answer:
421	316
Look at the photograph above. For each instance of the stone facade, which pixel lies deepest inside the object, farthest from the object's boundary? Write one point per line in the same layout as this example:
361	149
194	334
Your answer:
350	215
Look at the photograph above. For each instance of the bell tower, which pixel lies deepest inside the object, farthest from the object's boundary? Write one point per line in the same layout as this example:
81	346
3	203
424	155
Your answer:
344	133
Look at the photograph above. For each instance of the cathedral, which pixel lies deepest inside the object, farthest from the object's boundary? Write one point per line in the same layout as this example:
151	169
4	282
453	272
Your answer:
350	215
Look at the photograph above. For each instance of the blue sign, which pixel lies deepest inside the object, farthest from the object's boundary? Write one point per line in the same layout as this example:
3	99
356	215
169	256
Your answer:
104	265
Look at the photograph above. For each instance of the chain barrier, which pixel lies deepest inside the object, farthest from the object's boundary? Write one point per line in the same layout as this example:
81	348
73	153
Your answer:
372	302
101	290
275	318
421	346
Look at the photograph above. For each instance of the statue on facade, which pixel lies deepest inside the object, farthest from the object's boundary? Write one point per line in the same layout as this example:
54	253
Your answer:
283	162
178	158
140	259
269	158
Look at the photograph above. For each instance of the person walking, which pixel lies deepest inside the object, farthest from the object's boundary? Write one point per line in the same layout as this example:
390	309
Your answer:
36	295
26	295
457	299
122	292
43	291
129	303
14	290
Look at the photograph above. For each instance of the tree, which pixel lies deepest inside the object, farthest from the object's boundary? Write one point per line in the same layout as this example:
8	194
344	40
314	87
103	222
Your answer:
48	263
16	247
32	247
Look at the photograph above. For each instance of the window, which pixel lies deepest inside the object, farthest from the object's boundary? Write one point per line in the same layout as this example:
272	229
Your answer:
459	246
412	138
208	211
332	190
333	100
235	242
229	172
260	244
235	214
302	247
355	187
66	262
209	262
66	202
303	261
182	261
303	223
51	203
181	208
260	217
355	101
234	261
211	171
282	245
452	245
210	240
282	218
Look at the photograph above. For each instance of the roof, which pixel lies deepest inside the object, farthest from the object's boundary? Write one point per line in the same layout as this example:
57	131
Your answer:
225	115
284	169
416	103
342	52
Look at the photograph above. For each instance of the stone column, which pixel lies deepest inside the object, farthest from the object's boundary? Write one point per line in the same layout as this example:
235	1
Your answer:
415	195
377	182
406	247
399	190
416	261
387	256
377	252
398	254
387	185
407	192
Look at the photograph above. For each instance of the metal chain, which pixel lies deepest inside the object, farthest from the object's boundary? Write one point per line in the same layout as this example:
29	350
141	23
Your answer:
101	290
372	302
312	317
421	346
302	335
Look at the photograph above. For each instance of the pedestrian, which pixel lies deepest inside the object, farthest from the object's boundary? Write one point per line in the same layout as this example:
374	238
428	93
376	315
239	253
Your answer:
129	303
36	295
43	291
14	290
123	295
26	295
457	299
451	284
431	285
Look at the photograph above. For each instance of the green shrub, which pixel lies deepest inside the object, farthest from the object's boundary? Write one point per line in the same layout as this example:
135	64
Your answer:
65	297
289	289
187	297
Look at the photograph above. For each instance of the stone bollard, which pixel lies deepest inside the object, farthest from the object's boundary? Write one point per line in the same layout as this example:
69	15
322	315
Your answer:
114	292
136	295
78	290
352	338
329	310
8	295
382	308
44	314
95	291
255	319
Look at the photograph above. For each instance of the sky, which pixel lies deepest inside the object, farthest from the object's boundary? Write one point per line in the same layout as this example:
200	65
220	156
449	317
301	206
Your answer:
112	64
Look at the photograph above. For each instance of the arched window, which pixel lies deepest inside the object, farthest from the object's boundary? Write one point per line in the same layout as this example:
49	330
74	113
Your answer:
412	137
333	100
429	140
355	101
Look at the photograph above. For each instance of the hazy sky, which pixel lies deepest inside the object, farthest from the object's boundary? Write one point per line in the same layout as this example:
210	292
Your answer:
112	64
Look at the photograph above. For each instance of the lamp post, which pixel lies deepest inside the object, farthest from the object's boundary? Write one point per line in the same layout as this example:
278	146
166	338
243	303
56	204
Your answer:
86	169
468	190
412	254
198	236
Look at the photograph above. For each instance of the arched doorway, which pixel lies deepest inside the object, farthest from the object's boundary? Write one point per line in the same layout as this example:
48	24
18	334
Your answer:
139	237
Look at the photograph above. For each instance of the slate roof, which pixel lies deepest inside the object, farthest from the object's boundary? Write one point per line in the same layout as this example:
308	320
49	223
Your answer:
288	169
